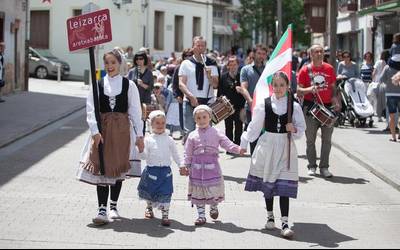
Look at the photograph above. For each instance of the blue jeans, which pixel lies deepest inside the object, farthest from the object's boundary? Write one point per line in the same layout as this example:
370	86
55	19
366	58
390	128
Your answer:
190	125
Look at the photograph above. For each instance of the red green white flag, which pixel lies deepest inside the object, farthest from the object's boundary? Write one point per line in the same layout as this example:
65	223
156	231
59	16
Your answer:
280	60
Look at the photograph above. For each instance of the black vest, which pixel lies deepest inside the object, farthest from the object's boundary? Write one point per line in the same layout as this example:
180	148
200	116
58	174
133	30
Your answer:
271	119
121	100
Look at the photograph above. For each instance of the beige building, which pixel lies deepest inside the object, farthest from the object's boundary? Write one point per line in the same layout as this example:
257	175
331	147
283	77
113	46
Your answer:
226	26
13	23
173	23
164	26
48	29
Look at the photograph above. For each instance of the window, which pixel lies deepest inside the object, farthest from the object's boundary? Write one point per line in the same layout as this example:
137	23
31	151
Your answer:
178	33
76	12
196	26
40	29
318	11
218	14
158	30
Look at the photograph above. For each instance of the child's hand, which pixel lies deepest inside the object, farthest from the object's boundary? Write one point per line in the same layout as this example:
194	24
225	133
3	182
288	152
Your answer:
184	171
140	144
242	151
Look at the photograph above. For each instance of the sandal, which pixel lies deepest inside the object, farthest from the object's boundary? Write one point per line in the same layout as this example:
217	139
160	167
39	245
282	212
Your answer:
214	213
165	222
149	214
200	221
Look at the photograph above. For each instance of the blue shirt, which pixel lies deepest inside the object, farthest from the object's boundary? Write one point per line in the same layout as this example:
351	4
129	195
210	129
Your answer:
249	74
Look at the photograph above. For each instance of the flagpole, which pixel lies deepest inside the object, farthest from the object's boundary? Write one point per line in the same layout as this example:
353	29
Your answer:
290	108
289	134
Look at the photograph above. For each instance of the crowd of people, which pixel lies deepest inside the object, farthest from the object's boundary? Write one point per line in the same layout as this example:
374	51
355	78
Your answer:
175	94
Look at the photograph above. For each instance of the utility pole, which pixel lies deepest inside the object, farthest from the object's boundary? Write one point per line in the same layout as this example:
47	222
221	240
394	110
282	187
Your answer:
279	13
333	30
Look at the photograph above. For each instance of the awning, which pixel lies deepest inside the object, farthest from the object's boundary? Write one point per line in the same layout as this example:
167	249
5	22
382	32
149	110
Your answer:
382	9
222	30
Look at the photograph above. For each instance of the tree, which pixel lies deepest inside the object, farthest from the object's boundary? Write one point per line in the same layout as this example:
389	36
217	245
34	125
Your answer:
260	15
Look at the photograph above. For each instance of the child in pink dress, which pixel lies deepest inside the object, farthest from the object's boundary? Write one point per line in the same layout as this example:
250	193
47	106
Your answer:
206	183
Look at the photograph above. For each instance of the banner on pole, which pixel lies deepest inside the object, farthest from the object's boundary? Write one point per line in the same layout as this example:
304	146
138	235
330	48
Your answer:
89	30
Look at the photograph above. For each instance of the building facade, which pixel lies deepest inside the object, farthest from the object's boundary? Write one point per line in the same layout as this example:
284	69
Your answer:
172	24
362	25
48	29
226	26
13	32
163	26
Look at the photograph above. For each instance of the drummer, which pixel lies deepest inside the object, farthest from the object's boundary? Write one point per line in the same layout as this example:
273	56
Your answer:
197	81
230	86
319	78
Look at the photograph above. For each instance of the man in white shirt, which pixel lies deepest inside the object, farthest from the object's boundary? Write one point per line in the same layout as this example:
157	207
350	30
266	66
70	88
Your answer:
198	76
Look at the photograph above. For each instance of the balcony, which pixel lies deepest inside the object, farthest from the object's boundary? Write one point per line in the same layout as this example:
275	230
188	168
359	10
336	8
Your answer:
379	7
364	4
389	6
314	2
347	6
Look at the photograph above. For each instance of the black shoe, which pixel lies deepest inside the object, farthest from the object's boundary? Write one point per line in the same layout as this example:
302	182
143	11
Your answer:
1	100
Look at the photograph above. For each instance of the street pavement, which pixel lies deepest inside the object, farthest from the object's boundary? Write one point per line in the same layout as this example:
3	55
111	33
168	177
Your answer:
47	101
43	206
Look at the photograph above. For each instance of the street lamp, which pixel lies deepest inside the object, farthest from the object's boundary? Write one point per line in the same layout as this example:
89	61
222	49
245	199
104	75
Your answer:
144	6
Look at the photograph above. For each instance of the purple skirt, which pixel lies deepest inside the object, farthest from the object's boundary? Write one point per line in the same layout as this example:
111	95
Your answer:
285	188
206	184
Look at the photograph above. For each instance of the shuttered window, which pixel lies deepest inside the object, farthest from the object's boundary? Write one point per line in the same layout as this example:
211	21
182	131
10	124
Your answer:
40	29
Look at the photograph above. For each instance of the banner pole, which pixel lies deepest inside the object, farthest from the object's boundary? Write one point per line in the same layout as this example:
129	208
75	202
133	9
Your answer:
96	105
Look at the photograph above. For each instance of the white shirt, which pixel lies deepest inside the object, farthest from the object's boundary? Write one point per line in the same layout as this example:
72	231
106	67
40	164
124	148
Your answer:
112	88
280	108
379	66
188	69
159	150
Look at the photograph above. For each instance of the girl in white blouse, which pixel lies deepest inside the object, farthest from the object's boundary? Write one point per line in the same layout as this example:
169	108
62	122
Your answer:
121	129
155	185
270	172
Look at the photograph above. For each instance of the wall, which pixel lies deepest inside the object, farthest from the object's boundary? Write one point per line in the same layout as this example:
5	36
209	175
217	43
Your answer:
14	62
187	9
125	30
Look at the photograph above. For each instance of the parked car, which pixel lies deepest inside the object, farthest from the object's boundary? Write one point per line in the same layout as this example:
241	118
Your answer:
43	64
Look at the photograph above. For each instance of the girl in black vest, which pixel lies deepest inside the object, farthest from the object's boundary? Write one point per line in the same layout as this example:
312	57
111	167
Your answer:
271	171
121	129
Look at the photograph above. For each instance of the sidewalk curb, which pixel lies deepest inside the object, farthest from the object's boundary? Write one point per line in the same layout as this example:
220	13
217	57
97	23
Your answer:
41	126
367	166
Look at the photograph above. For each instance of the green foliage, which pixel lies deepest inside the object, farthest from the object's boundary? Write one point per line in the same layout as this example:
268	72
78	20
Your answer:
260	15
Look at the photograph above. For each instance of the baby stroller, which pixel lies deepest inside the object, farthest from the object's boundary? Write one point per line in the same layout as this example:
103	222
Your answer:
355	105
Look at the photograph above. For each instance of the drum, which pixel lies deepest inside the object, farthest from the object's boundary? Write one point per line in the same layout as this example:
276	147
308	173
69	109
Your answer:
221	109
323	115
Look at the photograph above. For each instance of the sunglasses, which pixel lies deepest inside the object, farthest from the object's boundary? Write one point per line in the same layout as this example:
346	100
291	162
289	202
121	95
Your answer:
139	58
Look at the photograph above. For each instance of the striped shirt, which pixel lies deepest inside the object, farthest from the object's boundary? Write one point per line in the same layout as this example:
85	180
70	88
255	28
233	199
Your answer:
366	72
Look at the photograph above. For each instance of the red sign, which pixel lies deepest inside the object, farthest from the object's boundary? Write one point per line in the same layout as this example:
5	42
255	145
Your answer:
89	30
